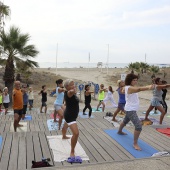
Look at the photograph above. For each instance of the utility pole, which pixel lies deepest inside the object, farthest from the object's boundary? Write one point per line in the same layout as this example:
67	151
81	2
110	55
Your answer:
56	57
108	59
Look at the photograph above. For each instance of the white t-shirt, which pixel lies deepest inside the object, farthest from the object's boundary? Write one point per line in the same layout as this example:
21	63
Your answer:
6	98
132	100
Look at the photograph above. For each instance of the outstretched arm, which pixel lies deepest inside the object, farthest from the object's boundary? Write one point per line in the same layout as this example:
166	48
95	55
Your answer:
71	92
138	89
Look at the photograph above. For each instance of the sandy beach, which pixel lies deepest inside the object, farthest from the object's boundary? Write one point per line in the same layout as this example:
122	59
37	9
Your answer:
96	75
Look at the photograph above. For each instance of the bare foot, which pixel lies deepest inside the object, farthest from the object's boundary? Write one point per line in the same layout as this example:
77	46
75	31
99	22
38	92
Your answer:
114	120
121	133
65	137
19	125
146	119
136	146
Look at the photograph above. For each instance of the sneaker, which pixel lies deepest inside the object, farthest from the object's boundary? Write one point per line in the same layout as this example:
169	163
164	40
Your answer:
84	114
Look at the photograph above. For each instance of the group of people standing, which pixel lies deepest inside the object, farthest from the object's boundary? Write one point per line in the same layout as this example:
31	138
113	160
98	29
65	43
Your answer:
66	104
20	99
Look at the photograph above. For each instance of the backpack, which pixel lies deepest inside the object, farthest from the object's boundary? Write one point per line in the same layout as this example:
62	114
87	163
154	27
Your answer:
39	164
109	114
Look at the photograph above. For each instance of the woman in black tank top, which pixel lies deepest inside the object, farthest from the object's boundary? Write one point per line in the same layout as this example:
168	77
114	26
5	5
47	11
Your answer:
87	96
70	114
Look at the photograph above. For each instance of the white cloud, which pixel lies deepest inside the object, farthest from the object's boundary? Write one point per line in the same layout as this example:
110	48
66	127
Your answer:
83	26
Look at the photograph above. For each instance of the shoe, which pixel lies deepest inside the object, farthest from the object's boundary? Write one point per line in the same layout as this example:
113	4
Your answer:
84	114
76	159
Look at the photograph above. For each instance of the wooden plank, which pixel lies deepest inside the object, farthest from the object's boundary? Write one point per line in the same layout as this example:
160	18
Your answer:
22	152
3	135
44	145
36	124
6	152
148	139
14	152
7	127
102	141
31	126
2	128
125	155
29	149
37	147
90	143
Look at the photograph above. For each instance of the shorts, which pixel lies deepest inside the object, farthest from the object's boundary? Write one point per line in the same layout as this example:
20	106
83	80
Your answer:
155	102
44	104
24	109
70	123
18	111
6	105
30	102
121	106
100	101
57	107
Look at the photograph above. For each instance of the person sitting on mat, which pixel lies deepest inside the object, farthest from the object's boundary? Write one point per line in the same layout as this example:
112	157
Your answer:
71	114
58	103
131	106
87	96
102	90
122	101
156	100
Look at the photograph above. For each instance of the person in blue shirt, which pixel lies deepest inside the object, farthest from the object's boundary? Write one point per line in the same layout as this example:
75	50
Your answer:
122	101
25	100
58	104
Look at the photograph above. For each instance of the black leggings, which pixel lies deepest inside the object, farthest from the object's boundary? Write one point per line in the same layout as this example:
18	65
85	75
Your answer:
88	106
163	102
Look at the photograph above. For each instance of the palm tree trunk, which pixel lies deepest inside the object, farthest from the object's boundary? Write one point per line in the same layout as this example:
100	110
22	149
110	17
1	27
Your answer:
9	76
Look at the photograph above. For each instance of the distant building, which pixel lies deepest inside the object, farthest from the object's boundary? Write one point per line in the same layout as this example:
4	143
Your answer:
99	64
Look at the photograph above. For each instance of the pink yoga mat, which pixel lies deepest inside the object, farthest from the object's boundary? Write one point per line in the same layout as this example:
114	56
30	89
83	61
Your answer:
52	116
165	131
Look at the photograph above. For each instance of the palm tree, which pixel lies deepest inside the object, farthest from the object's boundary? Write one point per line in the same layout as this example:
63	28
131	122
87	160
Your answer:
154	69
144	67
4	11
134	67
15	49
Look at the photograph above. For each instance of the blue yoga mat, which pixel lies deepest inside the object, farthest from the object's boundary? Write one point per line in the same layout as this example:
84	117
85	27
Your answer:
126	141
153	113
54	125
0	141
85	116
28	117
94	110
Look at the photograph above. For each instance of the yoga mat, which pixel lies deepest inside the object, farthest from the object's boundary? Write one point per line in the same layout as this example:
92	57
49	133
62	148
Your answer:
94	110
85	116
52	116
54	125
28	117
61	148
153	113
155	121
0	141
126	141
19	129
165	131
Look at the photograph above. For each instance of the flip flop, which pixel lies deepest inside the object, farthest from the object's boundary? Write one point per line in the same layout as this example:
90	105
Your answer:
76	159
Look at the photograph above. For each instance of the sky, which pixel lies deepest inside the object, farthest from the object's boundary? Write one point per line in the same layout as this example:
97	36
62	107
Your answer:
114	31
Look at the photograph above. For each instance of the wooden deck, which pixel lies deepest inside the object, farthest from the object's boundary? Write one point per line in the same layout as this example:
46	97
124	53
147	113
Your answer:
20	148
